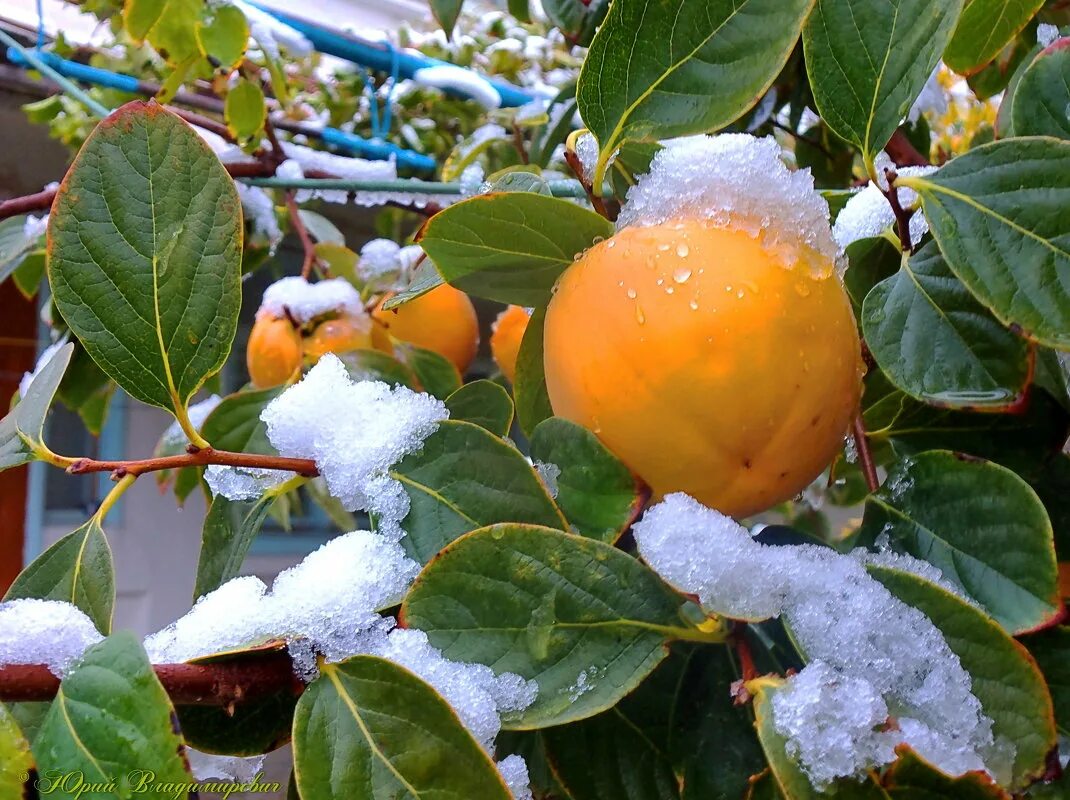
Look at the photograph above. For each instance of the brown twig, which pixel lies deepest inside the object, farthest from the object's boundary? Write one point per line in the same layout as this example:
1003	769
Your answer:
576	166
195	458
902	216
748	671
302	234
38	201
865	458
223	683
903	153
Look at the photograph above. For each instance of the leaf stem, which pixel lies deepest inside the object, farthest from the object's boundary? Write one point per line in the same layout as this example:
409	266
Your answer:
196	457
865	458
117	491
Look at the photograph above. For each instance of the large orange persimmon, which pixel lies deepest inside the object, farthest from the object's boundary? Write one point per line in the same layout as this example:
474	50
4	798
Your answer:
443	320
505	339
708	363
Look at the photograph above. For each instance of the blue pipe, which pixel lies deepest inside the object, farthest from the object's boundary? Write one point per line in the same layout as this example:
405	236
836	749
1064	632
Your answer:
79	72
365	148
382	58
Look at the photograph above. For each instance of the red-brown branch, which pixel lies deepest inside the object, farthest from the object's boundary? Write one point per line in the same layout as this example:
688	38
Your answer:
224	683
302	234
38	201
865	458
903	153
902	215
195	458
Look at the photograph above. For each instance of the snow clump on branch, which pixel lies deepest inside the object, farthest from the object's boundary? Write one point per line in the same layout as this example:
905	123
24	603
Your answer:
355	432
870	655
868	214
46	632
295	297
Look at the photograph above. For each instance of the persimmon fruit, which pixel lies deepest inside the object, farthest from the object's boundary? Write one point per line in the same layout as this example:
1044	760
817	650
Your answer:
443	320
341	335
506	334
708	362
274	351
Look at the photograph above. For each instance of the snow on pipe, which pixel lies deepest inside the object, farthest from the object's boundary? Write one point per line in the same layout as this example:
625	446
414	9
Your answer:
359	146
381	56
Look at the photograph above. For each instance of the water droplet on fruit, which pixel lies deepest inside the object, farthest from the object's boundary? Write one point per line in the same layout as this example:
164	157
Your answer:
694	305
681	275
663	247
668	290
631	294
802	289
640	317
681	250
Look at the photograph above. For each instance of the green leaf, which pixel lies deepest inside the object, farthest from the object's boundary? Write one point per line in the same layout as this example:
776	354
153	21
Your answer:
245	109
576	19
14	244
1005	679
370	728
145	241
869	59
985	28
22	429
235	423
77	569
529	391
437	374
223	37
321	228
111	719
483	403
1024	442
924	309
1001	215
29	274
424	279
87	390
1051	649
447	12
1043	94
518	179
510	246
608	756
586	621
520	10
788	777
374	365
980	524
664	68
16	760
229	530
598	494
711	739
911	778
465	478
869	262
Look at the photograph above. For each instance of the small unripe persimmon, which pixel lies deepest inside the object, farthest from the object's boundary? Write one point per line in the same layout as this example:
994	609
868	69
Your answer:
342	335
273	353
506	335
708	363
443	320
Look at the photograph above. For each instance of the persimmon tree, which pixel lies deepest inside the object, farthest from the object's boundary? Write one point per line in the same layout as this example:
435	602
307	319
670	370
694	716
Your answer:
765	288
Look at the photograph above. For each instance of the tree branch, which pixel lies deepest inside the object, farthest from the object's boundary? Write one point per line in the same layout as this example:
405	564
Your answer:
302	234
865	458
902	216
903	153
222	683
195	458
